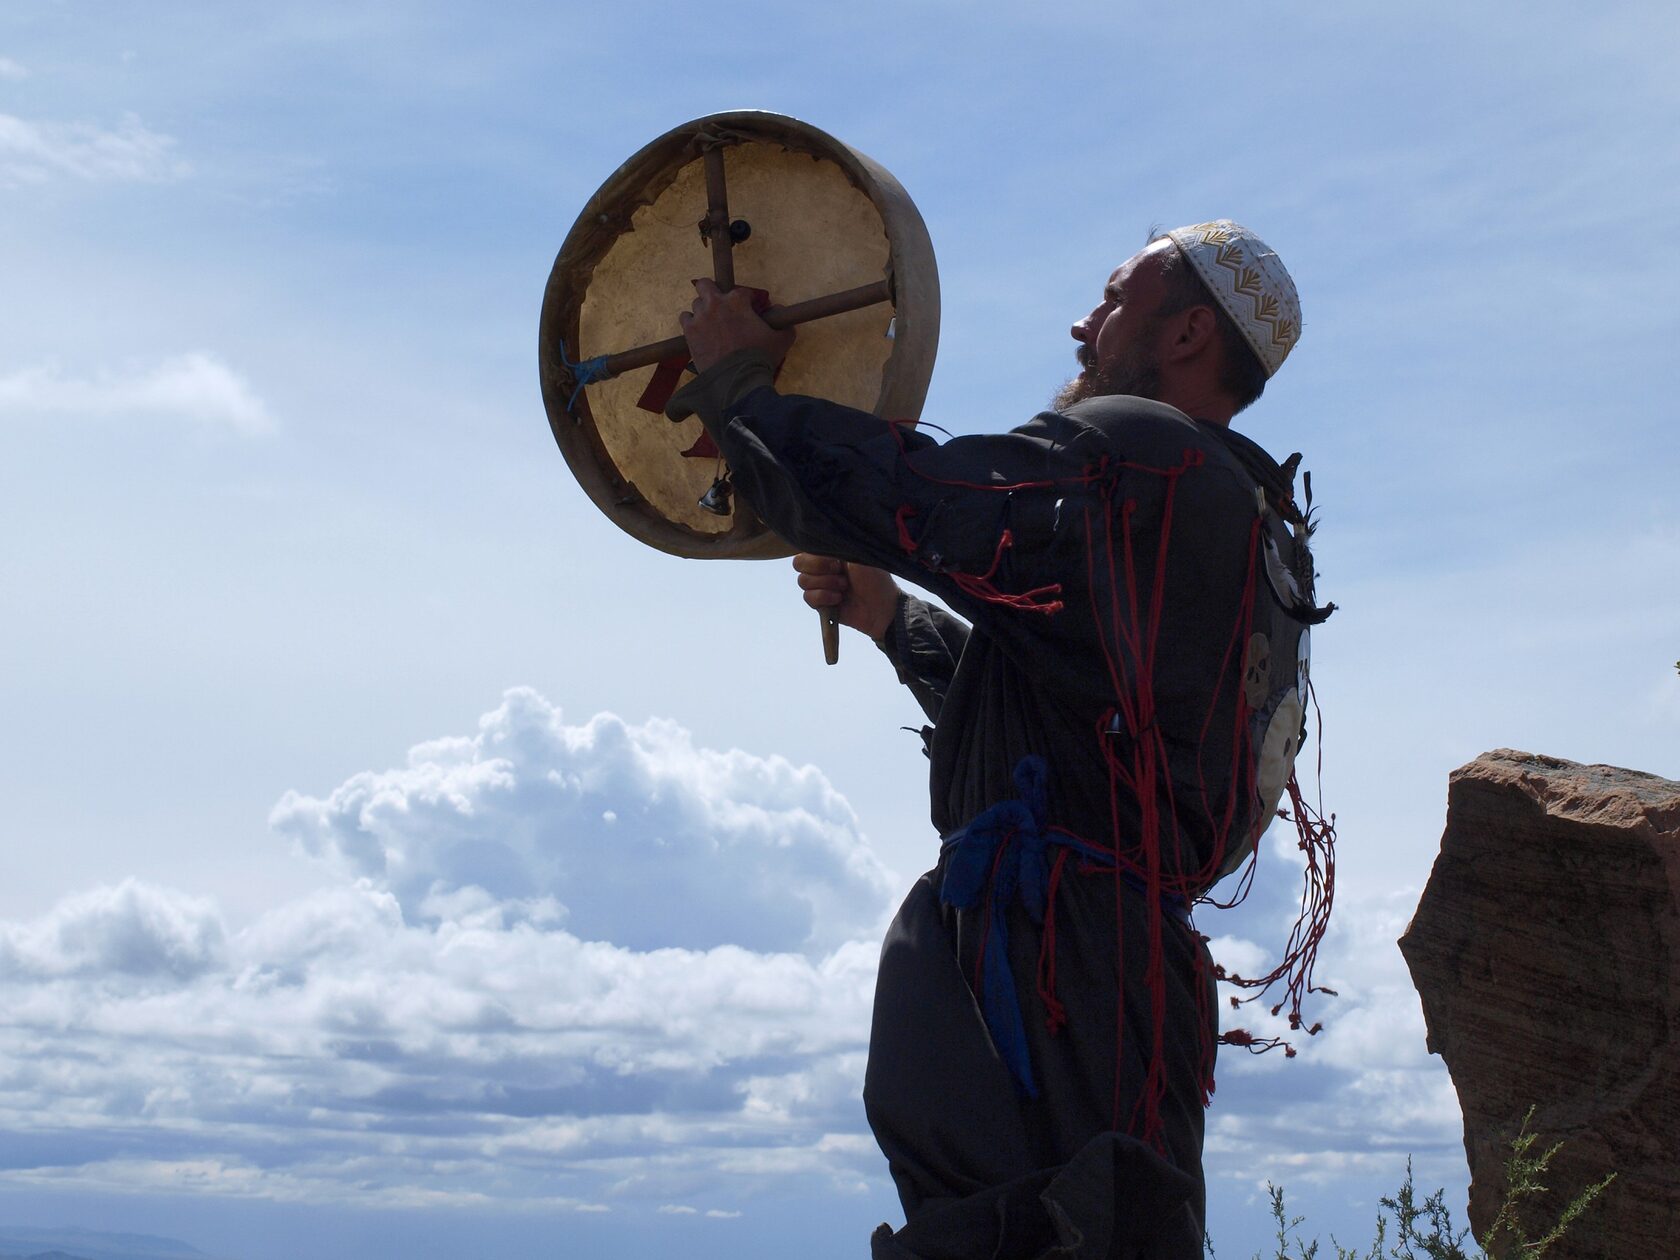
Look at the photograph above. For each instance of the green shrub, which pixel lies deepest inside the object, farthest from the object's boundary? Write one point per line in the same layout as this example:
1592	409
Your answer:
1425	1231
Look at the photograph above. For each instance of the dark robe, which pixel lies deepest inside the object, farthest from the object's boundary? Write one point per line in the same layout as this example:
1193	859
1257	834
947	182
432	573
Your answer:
982	1169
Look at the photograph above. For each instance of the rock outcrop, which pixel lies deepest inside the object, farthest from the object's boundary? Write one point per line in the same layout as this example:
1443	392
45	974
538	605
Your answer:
1546	948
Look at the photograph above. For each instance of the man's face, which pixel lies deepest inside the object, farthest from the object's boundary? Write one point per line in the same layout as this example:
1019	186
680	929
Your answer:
1118	341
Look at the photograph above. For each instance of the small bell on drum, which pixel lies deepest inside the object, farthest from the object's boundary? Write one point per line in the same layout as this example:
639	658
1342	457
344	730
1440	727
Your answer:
716	500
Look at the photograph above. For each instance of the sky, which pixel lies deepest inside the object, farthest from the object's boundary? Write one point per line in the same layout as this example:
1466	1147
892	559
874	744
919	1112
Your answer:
401	860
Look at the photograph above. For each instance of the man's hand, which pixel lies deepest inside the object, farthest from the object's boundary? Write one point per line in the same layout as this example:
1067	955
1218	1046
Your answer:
855	595
721	323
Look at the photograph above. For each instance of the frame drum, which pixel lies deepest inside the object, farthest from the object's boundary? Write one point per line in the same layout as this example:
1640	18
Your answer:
807	217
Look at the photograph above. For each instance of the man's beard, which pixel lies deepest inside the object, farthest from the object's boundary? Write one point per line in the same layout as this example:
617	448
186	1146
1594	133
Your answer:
1138	373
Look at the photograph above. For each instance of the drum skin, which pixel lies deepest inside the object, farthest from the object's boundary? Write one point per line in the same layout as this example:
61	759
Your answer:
823	218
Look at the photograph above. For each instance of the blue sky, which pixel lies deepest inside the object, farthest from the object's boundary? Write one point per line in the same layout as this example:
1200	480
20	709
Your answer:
288	547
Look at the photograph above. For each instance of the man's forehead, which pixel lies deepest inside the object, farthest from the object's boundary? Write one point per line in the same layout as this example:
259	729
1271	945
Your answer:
1145	263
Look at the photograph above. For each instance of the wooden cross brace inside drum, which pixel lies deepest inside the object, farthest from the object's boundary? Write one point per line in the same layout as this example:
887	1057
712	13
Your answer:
778	317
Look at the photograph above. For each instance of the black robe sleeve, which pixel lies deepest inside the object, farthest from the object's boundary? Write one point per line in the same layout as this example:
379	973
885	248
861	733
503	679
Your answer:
924	644
845	483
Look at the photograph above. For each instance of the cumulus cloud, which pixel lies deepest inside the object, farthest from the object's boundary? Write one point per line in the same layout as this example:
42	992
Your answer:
36	152
584	967
477	1010
195	386
128	932
631	833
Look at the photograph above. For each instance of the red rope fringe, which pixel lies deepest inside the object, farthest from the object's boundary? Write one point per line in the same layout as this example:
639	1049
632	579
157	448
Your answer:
1129	633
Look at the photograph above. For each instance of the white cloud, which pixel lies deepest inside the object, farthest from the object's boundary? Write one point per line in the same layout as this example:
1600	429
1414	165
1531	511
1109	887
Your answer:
375	1044
195	386
631	833
506	999
130	931
333	1039
10	69
1238	956
35	152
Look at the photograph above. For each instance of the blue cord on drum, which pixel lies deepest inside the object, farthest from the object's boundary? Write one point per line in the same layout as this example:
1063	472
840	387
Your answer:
586	372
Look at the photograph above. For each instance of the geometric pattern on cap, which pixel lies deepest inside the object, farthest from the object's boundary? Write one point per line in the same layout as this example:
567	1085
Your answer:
1249	281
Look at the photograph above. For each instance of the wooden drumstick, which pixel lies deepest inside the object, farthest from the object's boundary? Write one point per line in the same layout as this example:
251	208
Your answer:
831	637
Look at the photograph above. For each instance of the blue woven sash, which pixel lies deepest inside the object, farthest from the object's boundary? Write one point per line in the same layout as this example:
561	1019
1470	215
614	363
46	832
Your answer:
1002	855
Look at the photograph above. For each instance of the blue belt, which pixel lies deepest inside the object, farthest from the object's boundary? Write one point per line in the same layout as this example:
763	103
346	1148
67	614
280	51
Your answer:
1021	871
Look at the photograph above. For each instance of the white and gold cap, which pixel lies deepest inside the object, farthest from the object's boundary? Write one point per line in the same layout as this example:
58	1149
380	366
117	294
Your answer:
1249	281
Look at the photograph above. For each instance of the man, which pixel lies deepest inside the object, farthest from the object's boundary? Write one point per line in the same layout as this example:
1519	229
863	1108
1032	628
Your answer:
1044	1026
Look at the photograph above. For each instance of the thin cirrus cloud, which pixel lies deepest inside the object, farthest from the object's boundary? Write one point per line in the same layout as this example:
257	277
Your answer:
478	1007
196	386
37	152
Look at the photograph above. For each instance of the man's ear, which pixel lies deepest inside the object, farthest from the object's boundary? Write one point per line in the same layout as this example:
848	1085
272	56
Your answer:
1198	329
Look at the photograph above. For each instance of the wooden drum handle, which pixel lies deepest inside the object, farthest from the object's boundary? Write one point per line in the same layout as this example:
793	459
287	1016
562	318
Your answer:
830	637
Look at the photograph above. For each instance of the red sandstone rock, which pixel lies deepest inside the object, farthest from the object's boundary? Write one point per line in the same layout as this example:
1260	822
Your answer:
1546	948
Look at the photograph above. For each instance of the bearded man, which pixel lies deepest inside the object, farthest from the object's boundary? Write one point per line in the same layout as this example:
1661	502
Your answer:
1101	735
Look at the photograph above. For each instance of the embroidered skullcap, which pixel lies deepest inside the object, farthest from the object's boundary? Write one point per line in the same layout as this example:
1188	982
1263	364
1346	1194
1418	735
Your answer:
1249	281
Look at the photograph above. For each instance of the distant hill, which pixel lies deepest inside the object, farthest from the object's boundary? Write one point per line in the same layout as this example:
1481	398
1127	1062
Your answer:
20	1243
